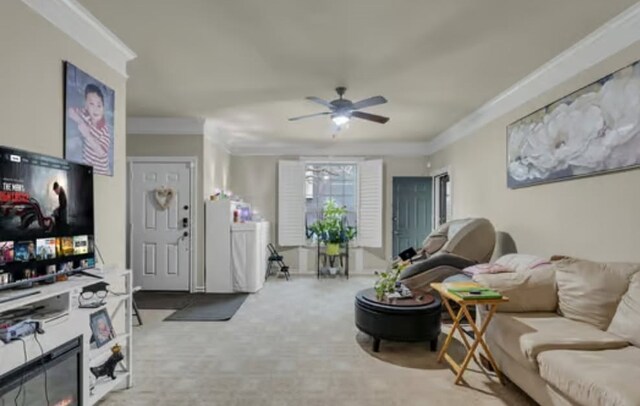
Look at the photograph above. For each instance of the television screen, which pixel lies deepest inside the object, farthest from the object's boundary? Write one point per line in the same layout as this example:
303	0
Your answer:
46	215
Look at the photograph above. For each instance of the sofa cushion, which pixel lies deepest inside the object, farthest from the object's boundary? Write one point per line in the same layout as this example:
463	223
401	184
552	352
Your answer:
532	291
626	321
603	378
525	335
590	291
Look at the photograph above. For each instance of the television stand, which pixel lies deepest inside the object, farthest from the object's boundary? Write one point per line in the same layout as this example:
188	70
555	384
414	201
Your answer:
19	296
82	272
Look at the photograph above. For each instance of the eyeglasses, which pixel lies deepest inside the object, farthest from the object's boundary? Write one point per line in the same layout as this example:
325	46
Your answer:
92	299
88	295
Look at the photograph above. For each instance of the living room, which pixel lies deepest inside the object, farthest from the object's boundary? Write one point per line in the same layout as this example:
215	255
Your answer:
278	201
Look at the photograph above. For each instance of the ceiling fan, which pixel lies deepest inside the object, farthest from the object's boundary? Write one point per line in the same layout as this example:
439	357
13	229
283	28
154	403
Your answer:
342	110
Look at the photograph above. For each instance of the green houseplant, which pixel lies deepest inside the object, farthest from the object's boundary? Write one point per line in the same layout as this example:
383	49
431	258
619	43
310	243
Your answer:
387	280
332	229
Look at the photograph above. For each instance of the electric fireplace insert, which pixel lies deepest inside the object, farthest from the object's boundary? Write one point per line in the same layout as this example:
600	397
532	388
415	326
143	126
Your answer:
53	379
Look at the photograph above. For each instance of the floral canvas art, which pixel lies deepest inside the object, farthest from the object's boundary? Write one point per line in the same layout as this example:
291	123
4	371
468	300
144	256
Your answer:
592	131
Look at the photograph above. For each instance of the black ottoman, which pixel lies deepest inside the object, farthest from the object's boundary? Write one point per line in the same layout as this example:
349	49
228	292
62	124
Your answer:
413	320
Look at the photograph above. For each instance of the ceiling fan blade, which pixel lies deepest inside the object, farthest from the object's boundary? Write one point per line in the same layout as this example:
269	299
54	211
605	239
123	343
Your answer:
320	101
309	115
371	101
371	117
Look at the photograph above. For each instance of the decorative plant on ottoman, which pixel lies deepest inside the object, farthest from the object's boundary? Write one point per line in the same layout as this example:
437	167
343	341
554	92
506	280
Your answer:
387	281
332	229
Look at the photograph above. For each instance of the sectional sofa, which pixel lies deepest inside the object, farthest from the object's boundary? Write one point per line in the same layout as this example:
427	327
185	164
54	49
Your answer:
570	334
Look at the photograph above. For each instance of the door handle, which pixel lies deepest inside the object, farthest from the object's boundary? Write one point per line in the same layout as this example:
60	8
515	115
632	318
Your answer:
185	222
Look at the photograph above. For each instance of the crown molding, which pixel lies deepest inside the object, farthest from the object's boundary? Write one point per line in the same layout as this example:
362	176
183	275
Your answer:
77	22
612	37
165	126
337	148
219	136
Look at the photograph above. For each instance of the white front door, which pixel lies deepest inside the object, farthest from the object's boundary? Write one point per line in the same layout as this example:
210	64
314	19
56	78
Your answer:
160	229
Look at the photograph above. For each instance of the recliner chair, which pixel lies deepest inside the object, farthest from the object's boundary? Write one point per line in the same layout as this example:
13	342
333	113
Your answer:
449	249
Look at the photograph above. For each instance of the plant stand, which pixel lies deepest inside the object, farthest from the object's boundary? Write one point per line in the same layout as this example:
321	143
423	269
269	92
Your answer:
324	258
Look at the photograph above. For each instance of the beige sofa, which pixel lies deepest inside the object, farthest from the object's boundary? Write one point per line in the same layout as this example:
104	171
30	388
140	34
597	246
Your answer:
570	334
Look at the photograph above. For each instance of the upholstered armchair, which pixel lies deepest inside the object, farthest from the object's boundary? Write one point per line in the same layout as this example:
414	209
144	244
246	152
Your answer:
449	249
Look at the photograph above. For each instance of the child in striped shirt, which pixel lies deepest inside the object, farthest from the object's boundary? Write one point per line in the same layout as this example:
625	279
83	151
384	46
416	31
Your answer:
96	135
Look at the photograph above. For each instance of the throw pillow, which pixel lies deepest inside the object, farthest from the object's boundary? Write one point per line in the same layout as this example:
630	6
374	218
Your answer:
527	291
626	321
590	291
521	262
485	269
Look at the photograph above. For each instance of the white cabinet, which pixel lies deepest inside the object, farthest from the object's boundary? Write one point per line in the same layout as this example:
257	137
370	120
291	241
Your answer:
235	253
72	322
249	255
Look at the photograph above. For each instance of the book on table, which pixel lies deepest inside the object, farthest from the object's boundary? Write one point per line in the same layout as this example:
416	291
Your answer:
472	291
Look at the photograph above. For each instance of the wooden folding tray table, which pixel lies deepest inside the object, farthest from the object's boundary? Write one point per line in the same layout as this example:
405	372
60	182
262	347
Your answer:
492	305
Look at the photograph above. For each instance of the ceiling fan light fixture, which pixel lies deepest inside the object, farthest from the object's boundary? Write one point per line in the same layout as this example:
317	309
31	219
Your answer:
340	119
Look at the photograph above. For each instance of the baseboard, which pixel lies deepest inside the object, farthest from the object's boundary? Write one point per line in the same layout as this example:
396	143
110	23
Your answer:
364	272
199	289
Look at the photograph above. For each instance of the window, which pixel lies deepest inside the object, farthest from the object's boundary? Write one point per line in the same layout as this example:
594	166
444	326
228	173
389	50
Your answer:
304	187
336	181
442	187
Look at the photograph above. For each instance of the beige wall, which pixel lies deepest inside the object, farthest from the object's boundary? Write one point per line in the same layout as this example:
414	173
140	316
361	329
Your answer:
216	168
596	218
32	52
255	178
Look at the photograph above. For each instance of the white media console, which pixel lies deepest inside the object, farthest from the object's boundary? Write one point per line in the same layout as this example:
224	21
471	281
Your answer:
72	322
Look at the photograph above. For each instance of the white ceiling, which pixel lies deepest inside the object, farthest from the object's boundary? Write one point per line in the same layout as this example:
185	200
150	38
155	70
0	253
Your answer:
248	64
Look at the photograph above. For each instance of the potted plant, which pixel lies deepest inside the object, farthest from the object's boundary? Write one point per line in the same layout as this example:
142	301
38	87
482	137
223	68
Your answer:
332	229
387	281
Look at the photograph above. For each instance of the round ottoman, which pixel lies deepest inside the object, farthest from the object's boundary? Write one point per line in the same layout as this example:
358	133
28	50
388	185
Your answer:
415	319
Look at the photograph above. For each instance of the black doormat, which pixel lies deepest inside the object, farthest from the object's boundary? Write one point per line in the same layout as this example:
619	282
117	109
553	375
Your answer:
163	300
210	307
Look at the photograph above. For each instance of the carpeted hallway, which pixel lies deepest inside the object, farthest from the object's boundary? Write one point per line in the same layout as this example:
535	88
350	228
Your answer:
293	343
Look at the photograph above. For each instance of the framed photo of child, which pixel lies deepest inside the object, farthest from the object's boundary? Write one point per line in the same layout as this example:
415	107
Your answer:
101	327
88	125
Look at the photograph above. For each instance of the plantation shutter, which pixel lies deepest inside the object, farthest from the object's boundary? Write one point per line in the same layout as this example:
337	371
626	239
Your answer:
370	204
291	203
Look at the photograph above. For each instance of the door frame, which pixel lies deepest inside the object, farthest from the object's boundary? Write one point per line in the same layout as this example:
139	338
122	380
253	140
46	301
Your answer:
193	213
436	194
393	201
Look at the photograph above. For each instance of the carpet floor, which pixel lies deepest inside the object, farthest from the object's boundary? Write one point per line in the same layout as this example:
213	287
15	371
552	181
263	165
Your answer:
291	344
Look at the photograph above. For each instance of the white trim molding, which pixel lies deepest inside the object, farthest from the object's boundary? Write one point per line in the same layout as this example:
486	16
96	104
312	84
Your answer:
165	126
73	19
614	36
334	149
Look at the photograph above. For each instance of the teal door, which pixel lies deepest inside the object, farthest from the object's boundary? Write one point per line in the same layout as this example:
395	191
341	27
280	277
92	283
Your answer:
412	212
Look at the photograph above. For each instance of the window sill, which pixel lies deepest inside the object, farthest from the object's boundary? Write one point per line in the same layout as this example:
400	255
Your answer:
315	246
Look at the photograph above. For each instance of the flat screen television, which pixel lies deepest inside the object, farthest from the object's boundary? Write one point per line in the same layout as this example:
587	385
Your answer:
46	217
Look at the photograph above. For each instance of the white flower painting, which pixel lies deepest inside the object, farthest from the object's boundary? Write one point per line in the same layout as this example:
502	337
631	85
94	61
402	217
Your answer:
593	130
